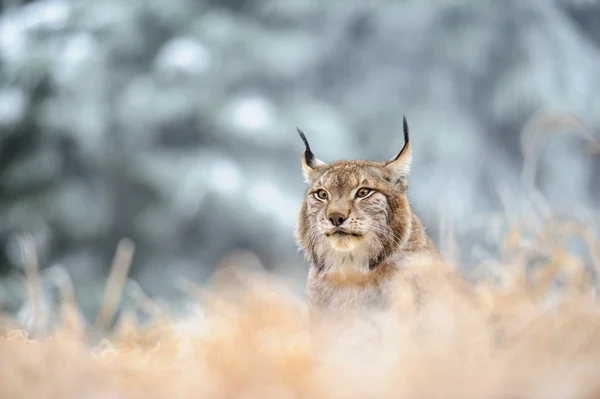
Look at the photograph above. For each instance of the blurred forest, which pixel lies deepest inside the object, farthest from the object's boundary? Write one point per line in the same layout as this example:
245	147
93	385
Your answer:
174	122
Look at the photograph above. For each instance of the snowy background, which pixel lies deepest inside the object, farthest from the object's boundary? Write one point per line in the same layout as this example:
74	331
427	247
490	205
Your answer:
174	122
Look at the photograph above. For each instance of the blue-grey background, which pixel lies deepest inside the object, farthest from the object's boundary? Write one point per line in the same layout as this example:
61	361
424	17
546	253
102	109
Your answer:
174	122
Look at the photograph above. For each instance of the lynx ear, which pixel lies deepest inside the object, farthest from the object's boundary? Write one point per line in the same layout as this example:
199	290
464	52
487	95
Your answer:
400	164
310	163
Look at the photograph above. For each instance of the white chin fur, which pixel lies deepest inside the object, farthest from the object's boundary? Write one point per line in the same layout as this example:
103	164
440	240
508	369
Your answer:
346	244
346	255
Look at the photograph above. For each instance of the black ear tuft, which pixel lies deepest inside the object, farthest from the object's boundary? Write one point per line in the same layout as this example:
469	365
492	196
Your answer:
406	139
308	155
405	128
303	137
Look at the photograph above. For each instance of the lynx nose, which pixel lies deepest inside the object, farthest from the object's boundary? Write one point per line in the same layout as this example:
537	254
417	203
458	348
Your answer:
336	218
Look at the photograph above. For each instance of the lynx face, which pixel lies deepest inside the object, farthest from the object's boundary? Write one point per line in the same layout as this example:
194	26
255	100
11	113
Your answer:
355	213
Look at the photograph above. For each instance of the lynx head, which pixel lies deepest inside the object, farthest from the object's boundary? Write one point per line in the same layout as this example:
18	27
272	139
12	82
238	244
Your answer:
355	213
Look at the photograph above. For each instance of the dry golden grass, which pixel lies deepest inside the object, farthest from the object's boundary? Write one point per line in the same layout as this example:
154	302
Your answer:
522	336
519	338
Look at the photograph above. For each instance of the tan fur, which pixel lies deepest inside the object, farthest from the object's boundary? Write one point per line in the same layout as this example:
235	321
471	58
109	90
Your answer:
353	272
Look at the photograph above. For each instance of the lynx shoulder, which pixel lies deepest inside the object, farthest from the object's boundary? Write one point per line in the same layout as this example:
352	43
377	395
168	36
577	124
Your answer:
356	228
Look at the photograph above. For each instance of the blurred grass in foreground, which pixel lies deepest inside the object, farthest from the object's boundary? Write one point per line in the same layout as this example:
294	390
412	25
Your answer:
526	326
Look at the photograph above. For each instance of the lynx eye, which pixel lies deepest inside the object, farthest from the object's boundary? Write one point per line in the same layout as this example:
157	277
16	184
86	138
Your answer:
363	192
322	194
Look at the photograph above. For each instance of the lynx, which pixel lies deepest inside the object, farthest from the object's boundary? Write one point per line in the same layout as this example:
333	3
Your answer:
356	228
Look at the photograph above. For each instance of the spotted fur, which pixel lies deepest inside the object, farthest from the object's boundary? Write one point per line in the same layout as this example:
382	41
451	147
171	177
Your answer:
354	267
